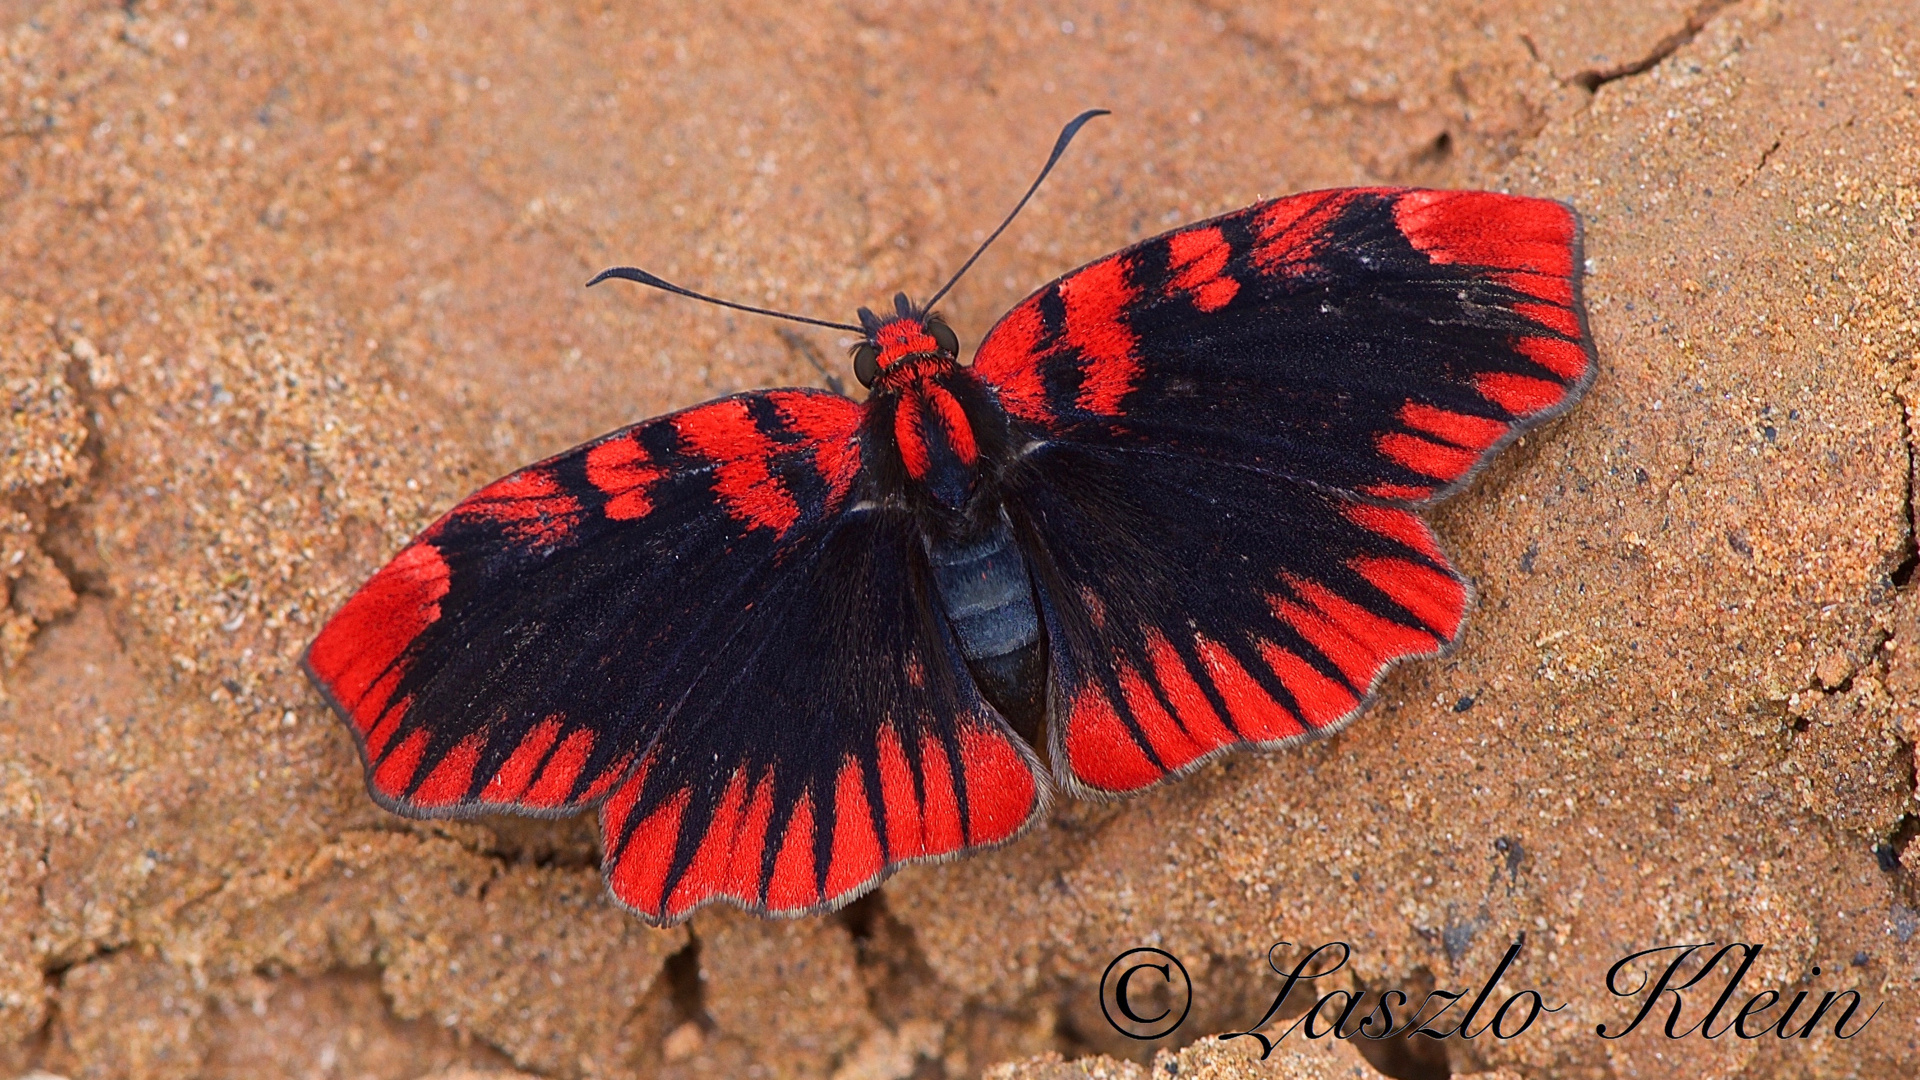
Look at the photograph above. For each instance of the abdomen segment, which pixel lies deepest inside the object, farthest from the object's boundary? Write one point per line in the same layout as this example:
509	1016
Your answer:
988	599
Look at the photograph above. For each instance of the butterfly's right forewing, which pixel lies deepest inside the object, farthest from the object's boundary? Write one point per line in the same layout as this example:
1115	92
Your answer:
699	625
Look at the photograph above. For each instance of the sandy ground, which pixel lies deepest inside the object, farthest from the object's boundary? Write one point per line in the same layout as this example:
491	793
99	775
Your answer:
281	280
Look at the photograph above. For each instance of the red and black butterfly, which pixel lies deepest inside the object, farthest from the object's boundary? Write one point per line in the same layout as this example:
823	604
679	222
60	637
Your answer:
786	641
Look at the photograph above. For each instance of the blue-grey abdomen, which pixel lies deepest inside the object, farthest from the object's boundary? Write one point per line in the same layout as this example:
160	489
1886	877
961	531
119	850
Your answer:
987	595
984	588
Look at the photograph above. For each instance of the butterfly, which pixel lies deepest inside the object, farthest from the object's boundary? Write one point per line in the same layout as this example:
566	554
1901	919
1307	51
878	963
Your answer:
786	642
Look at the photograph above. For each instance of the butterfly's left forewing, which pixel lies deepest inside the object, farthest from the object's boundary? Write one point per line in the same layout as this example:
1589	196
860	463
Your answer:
700	625
1379	341
1227	427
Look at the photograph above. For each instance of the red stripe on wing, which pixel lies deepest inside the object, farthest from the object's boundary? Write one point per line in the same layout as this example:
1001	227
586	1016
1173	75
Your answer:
530	507
1437	599
518	770
726	434
1424	456
395	771
562	769
1258	716
1552	316
1399	525
1553	288
608	777
857	857
1171	744
1355	661
712	863
1519	394
1290	230
639	876
905	836
390	721
622	470
1484	228
1397	491
613	813
1096	298
1000	787
1322	700
358	655
749	847
1564	358
794	886
1198	257
1183	691
940	815
450	780
1101	750
1531	240
1009	361
829	424
1472	432
1358	641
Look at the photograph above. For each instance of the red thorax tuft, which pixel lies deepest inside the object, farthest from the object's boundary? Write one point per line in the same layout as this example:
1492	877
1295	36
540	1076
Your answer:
902	338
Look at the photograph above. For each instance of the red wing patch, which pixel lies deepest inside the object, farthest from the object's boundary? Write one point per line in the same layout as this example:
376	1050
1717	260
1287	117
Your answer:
1198	258
360	654
726	434
1095	299
620	468
531	507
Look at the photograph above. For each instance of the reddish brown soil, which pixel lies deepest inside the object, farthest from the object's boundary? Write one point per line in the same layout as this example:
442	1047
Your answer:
281	280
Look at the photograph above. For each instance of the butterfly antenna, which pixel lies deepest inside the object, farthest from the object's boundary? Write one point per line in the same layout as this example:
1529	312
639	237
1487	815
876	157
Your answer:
1059	147
634	273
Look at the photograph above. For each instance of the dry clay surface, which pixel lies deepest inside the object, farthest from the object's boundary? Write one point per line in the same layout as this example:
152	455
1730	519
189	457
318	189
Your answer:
279	281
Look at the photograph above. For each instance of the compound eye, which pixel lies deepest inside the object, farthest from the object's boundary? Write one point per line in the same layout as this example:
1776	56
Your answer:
866	364
943	336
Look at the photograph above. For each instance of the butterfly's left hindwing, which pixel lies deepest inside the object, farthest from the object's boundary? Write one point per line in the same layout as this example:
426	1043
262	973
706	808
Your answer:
1193	606
689	622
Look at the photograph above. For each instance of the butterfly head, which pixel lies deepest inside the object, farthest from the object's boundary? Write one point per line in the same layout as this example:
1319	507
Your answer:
901	341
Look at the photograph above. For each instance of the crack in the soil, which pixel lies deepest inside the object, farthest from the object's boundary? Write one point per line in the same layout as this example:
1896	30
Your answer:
685	984
1593	79
1890	851
1765	155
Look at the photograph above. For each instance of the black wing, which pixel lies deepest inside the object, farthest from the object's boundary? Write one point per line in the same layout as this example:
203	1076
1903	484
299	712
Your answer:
697	624
1227	425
